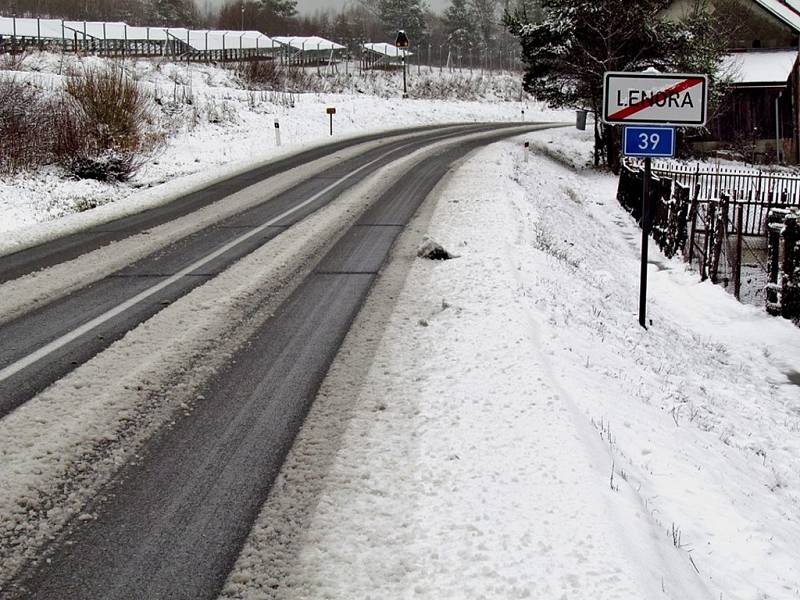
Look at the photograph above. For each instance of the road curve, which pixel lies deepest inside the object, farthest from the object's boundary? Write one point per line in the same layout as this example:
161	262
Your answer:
172	524
50	341
28	260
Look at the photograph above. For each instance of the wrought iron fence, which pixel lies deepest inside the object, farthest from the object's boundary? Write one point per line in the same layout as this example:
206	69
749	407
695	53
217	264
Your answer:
755	191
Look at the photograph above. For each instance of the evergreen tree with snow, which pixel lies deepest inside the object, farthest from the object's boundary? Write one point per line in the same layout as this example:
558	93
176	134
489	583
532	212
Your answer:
408	15
486	14
284	9
174	13
577	41
460	24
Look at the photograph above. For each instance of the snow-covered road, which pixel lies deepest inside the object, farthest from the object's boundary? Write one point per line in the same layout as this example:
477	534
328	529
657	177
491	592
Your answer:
62	447
498	425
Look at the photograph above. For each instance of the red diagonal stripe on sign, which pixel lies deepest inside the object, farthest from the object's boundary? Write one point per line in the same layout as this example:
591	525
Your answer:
648	102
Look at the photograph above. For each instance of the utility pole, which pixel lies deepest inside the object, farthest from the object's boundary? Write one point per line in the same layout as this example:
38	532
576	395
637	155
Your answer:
242	28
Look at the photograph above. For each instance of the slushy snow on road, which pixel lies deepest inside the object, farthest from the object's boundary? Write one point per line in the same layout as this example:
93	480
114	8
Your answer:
499	426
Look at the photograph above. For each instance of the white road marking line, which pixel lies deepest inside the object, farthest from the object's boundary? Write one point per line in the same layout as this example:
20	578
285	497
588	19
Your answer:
67	338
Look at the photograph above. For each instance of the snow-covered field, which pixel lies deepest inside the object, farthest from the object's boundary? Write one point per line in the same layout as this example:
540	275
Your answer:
215	125
499	426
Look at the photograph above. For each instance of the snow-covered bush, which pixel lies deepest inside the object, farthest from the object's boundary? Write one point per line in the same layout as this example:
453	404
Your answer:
99	126
117	123
36	126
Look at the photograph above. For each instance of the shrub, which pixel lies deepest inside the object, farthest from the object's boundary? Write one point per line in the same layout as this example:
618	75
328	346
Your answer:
100	126
20	115
115	108
259	74
109	165
36	126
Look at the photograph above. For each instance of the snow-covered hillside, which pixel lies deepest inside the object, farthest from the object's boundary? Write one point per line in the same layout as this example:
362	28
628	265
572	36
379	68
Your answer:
214	124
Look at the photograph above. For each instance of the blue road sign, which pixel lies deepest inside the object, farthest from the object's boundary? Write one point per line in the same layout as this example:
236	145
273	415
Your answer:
652	142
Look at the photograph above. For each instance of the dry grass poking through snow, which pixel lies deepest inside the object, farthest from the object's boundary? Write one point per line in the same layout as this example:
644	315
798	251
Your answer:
100	125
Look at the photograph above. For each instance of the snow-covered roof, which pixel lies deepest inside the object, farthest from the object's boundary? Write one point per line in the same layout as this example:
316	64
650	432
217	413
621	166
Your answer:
97	29
790	15
760	68
201	40
209	39
156	34
308	43
385	49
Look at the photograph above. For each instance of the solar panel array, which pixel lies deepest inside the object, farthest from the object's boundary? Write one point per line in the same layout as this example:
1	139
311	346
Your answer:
308	43
386	50
191	41
199	40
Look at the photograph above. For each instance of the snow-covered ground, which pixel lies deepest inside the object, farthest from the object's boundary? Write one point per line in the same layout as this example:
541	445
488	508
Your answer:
568	146
499	426
215	125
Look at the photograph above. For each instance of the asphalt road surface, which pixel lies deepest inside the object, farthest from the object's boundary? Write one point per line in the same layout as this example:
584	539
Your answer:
50	341
171	524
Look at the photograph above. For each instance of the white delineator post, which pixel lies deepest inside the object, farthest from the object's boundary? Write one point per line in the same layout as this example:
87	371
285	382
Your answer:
527	150
277	133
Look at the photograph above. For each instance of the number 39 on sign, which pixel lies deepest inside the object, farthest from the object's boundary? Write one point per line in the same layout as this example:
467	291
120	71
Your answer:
652	142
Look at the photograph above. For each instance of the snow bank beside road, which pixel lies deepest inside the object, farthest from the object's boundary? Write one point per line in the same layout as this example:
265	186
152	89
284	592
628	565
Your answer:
567	145
464	443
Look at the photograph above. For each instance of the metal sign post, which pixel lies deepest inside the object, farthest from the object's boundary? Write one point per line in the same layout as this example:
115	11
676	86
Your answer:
405	83
402	43
645	243
652	99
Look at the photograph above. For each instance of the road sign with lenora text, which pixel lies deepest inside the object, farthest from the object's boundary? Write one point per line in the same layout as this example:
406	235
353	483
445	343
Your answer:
655	99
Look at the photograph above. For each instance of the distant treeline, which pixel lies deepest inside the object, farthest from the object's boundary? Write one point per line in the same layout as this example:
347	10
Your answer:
470	25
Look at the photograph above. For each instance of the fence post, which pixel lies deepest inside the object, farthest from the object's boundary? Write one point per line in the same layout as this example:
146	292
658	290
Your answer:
737	273
721	230
708	243
681	207
790	291
774	226
693	220
758	187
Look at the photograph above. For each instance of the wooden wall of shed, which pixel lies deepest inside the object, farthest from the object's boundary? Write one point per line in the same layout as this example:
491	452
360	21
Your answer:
750	113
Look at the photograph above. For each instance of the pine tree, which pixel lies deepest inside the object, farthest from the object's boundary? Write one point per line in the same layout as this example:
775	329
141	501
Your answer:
173	13
568	52
408	15
284	9
460	24
486	15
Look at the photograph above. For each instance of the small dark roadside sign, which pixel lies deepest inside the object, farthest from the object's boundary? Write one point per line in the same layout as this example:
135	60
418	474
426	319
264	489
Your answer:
402	40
